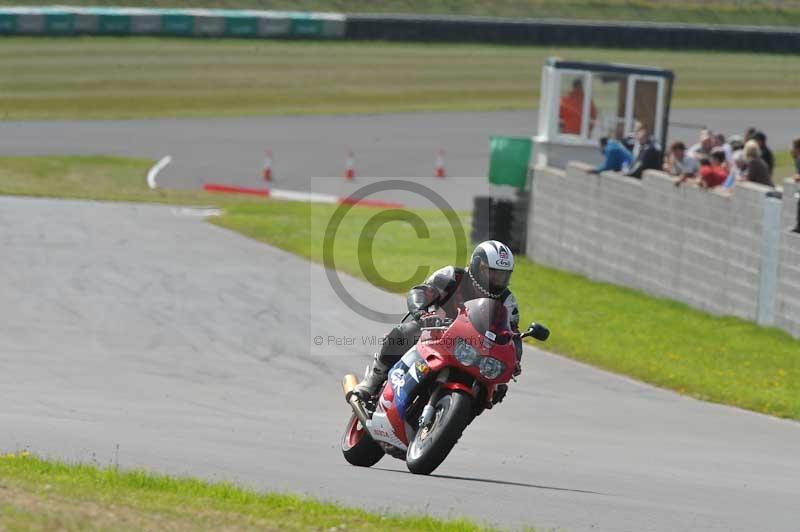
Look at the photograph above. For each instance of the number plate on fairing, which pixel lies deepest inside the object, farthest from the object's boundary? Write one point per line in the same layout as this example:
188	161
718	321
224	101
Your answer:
404	377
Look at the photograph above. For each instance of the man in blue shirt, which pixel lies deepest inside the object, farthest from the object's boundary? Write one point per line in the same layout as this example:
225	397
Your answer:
616	156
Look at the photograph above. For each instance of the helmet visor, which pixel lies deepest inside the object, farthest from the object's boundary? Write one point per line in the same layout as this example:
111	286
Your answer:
498	280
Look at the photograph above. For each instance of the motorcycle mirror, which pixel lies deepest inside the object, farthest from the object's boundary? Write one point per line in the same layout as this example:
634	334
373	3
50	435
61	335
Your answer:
538	331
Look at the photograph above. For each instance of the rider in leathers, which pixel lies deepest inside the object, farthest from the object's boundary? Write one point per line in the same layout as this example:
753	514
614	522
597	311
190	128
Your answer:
487	275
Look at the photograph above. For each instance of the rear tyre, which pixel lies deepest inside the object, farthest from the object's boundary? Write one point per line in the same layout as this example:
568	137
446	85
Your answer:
358	447
454	411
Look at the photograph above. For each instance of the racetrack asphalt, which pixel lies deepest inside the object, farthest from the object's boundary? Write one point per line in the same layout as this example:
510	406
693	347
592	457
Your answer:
231	150
143	336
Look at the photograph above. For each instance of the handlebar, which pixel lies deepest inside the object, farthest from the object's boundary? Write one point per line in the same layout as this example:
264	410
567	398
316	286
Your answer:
441	324
535	330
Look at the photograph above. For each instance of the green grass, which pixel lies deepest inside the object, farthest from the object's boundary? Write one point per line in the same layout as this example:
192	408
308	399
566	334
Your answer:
720	359
775	12
38	494
105	77
97	177
725	360
784	164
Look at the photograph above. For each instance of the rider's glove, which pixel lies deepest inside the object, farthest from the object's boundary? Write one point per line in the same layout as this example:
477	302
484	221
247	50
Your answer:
499	393
430	319
417	314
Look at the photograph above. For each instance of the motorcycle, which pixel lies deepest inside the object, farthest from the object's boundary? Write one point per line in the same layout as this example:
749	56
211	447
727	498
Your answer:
436	389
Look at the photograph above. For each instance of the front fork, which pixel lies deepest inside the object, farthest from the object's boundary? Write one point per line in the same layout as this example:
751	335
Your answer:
429	411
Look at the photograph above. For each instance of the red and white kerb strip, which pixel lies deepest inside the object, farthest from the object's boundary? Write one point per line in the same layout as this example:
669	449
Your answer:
306	197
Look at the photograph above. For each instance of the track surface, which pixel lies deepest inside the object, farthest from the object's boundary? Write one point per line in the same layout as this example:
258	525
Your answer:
399	145
143	336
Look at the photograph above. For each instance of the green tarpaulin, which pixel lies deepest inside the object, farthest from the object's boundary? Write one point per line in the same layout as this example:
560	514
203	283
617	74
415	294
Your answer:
508	161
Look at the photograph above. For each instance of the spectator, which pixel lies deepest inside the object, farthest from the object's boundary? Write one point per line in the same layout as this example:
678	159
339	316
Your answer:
646	153
766	153
748	135
796	157
736	142
616	155
738	168
680	165
718	141
757	170
702	149
713	171
570	111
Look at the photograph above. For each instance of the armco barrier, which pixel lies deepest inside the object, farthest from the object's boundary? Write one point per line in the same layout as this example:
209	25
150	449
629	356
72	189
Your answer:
61	20
173	22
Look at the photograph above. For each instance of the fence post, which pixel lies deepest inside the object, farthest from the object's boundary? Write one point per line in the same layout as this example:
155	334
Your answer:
770	251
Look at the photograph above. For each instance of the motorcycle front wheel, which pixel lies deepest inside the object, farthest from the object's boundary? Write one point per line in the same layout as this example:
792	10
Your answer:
431	445
358	447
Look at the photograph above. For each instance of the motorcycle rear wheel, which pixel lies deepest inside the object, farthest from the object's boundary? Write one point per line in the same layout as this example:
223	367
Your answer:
358	447
454	411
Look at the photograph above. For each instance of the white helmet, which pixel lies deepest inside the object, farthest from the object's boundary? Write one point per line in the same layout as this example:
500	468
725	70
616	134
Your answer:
490	267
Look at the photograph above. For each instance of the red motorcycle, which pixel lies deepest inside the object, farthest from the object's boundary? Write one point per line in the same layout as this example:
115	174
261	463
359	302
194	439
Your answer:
436	389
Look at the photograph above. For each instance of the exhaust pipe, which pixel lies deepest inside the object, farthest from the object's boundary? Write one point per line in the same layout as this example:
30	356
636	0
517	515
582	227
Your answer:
348	385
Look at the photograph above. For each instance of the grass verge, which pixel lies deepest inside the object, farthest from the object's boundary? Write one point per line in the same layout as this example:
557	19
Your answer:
106	77
96	177
37	494
774	12
720	359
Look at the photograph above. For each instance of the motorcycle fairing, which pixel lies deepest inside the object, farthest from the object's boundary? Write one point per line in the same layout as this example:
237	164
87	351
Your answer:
388	421
381	428
404	378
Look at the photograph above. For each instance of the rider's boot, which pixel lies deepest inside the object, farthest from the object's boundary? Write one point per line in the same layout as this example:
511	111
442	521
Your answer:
369	386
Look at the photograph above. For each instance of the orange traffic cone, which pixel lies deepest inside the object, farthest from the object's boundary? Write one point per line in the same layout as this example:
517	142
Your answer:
439	170
349	170
267	172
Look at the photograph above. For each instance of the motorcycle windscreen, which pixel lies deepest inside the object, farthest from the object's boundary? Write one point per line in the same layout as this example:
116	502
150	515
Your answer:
489	316
404	378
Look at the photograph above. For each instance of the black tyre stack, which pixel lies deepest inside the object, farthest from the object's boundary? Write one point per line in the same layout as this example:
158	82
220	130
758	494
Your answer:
502	219
481	219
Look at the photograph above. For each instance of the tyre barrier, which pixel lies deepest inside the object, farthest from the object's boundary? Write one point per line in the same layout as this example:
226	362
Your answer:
171	22
623	34
65	20
499	219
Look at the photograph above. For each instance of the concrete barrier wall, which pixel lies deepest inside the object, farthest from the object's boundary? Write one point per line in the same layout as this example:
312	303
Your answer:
64	20
787	304
697	246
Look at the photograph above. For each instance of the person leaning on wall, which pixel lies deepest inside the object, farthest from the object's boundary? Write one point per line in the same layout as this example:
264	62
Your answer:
680	165
646	153
615	156
757	170
766	153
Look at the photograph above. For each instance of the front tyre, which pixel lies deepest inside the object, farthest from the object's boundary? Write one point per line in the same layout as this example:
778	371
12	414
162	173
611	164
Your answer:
358	447
454	411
